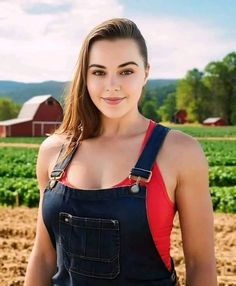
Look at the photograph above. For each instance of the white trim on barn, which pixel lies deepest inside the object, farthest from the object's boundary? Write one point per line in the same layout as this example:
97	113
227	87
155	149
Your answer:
14	121
42	123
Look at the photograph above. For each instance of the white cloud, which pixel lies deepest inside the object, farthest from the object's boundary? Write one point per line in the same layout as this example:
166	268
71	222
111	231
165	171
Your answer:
36	47
45	46
177	45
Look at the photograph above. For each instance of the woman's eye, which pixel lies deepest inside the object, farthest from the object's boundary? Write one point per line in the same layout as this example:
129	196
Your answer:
98	73
102	73
127	72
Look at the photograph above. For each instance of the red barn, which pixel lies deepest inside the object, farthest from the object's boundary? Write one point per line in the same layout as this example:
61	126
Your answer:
214	121
38	116
180	116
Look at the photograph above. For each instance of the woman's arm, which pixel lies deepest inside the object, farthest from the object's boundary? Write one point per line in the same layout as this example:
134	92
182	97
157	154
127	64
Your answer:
195	213
42	262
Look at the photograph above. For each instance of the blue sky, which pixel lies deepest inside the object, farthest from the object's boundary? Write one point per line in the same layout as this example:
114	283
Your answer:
40	40
217	12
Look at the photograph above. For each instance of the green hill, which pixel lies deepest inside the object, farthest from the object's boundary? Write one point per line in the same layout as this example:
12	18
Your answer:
20	92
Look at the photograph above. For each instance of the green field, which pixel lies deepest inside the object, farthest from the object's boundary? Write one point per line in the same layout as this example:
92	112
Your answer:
219	153
206	131
30	140
18	184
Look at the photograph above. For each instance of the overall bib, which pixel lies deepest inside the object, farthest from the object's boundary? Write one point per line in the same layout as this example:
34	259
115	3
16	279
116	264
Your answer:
102	236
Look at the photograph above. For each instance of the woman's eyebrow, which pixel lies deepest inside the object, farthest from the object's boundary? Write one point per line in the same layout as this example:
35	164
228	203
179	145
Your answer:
120	66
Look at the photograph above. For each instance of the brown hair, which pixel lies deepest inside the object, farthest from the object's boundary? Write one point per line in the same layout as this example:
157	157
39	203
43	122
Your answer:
81	117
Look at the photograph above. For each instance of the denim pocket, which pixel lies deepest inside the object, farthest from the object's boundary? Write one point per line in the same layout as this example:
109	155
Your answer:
90	245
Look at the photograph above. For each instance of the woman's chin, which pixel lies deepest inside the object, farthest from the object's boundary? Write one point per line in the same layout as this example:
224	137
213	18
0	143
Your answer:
114	114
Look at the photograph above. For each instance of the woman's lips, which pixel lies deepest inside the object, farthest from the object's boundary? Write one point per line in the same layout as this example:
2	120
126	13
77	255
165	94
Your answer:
113	100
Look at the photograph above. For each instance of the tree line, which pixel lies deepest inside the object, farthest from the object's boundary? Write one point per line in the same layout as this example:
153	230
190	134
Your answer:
203	94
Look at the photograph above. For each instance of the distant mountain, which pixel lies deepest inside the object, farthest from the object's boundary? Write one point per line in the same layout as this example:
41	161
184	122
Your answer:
159	83
20	91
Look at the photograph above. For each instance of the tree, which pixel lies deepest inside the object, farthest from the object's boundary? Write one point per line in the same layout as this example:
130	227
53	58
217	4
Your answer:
148	95
221	80
149	110
156	96
167	110
8	108
193	96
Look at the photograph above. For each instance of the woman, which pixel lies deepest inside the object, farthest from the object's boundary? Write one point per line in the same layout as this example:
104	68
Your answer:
112	180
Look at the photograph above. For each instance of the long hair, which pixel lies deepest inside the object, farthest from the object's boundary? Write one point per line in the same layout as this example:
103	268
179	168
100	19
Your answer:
82	119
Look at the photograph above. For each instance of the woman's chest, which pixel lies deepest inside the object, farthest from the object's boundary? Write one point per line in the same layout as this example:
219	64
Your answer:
106	172
98	166
101	166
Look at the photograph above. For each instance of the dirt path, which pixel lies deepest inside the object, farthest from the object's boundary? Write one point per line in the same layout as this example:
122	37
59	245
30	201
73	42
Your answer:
35	145
24	145
17	232
217	138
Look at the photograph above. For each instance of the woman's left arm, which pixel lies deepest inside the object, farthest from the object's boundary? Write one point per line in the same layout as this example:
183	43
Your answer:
195	213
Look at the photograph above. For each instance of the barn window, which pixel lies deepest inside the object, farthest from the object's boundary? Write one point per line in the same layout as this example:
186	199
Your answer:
50	102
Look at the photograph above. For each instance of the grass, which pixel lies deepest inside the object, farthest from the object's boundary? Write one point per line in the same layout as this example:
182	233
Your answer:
197	130
30	140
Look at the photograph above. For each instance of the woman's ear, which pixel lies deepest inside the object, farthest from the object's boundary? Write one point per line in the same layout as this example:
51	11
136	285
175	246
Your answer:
146	74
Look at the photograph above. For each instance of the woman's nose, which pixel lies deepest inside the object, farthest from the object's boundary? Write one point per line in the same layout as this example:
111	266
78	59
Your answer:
112	84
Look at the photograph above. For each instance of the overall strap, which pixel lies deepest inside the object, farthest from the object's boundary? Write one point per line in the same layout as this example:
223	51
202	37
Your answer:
60	166
142	169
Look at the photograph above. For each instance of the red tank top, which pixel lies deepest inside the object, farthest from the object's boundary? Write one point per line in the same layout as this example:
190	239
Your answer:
160	209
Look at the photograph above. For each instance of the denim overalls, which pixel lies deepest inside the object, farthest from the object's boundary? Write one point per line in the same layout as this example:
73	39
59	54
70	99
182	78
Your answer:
102	236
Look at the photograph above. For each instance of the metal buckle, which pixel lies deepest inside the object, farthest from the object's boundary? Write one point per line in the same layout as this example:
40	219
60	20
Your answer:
139	178
59	176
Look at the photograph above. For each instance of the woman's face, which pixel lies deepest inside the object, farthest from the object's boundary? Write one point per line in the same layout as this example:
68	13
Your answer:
115	76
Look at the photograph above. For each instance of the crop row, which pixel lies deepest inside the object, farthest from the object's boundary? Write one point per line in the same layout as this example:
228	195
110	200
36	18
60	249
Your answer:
219	153
218	175
18	184
224	199
21	156
22	191
19	191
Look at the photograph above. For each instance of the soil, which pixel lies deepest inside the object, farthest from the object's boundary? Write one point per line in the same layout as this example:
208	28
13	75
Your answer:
23	145
17	232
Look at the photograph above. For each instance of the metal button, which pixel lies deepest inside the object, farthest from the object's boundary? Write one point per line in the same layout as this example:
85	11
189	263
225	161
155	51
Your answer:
52	183
173	276
66	219
135	188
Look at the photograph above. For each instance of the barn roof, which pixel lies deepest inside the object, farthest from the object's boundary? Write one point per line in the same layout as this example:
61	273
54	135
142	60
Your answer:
14	121
212	119
31	106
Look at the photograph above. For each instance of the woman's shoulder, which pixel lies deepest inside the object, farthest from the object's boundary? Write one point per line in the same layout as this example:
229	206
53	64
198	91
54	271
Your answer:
179	138
52	144
185	149
47	156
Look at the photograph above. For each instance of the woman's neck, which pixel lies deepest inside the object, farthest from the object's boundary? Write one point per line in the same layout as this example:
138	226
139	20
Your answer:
125	126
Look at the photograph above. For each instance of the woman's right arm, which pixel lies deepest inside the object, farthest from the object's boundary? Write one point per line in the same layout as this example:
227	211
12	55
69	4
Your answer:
42	262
